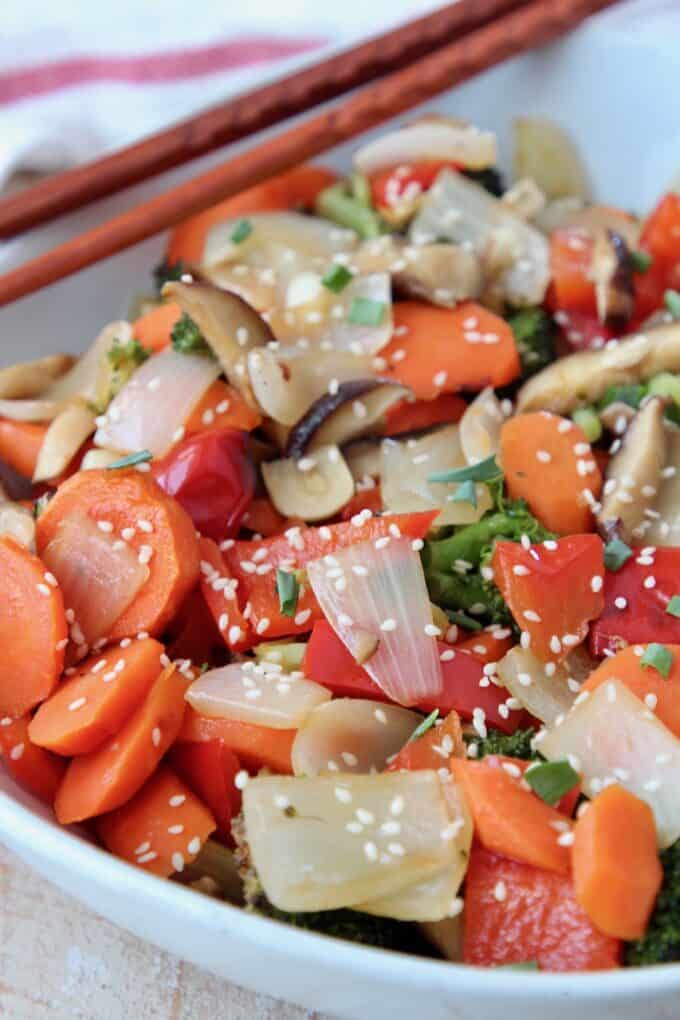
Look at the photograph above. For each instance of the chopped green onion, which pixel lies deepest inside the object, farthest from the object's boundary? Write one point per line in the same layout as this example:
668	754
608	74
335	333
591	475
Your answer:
671	299
551	780
665	384
522	965
132	459
589	422
204	667
465	493
288	591
463	620
241	231
361	189
366	312
40	505
631	394
673	607
640	260
427	724
658	657
337	278
346	210
484	471
616	553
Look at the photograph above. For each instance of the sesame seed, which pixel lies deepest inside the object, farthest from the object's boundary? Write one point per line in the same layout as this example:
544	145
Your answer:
439	379
156	736
388	625
566	839
525	639
520	570
43	589
241	779
349	759
652	785
281	801
105	526
417	544
147	858
651	700
596	583
543	456
75	705
343	794
432	630
178	799
145	553
371	851
177	861
142	848
193	846
175	830
530	614
396	849
555	644
302	617
17	752
397	805
500	891
354	827
649	582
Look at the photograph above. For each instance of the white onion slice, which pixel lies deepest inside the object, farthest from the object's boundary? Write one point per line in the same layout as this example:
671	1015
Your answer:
155	403
546	153
428	139
461	211
256	694
351	735
320	842
546	697
90	377
378	589
480	427
306	235
615	738
63	439
99	576
95	459
408	463
29	379
33	409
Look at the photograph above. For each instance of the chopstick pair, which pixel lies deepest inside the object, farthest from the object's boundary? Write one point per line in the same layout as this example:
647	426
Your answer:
483	33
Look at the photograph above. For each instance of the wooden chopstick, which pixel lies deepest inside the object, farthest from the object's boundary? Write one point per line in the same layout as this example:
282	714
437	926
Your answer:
531	26
244	115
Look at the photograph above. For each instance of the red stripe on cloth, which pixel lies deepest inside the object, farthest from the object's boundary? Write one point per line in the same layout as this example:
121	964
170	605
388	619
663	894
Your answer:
150	68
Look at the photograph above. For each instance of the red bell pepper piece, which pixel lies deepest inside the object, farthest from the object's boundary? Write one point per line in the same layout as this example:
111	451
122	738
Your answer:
515	913
433	749
571	254
37	770
328	661
552	590
633	614
661	233
581	331
364	499
402	183
210	769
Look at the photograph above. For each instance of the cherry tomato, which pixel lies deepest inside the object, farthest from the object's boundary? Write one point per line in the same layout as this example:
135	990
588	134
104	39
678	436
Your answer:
212	476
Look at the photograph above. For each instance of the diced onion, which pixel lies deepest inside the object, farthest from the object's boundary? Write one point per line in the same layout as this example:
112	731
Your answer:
378	588
546	697
480	427
152	407
63	439
98	574
351	735
429	139
320	842
613	737
256	694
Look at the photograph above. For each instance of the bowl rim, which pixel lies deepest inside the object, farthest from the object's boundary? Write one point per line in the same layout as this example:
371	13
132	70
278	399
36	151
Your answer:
30	831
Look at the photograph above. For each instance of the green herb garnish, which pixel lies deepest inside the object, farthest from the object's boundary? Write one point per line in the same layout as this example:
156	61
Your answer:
187	338
658	657
366	312
673	607
485	471
551	780
337	278
465	493
671	299
241	231
167	272
132	459
422	728
463	620
288	591
640	261
616	553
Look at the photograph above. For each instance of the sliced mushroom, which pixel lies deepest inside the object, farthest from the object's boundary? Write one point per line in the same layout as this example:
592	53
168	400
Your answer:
286	382
524	198
443	274
429	138
612	271
363	459
617	416
31	378
662	526
63	439
544	151
571	212
480	427
633	474
355	409
313	488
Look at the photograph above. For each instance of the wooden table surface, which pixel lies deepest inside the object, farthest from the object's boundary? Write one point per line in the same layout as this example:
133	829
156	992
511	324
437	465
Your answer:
59	961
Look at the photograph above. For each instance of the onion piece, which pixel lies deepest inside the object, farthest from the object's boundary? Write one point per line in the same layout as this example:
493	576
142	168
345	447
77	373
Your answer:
99	576
408	463
546	697
257	694
91	376
95	459
155	403
310	236
319	842
612	737
480	427
544	151
351	735
313	488
63	439
514	253
442	274
35	409
378	588
17	521
429	139
31	378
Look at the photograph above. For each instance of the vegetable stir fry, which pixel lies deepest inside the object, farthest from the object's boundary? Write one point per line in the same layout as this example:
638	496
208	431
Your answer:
340	579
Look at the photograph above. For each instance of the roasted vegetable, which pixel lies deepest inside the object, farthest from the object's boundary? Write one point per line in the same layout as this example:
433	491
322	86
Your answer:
535	338
661	941
125	358
512	745
187	337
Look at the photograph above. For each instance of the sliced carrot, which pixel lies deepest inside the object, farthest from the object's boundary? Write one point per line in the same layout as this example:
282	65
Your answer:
163	827
256	746
222	407
210	769
125	499
33	630
511	820
108	777
644	682
92	705
364	499
441	350
219	590
617	871
153	329
296	187
20	443
517	767
487	645
434	749
548	461
32	767
263	518
515	913
415	415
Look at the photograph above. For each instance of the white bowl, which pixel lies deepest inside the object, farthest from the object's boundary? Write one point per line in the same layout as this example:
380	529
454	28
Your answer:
614	84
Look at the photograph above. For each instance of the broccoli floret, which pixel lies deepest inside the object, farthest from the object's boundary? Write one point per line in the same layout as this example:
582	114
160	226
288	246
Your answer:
514	745
124	359
187	337
535	338
630	394
491	179
166	271
661	941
